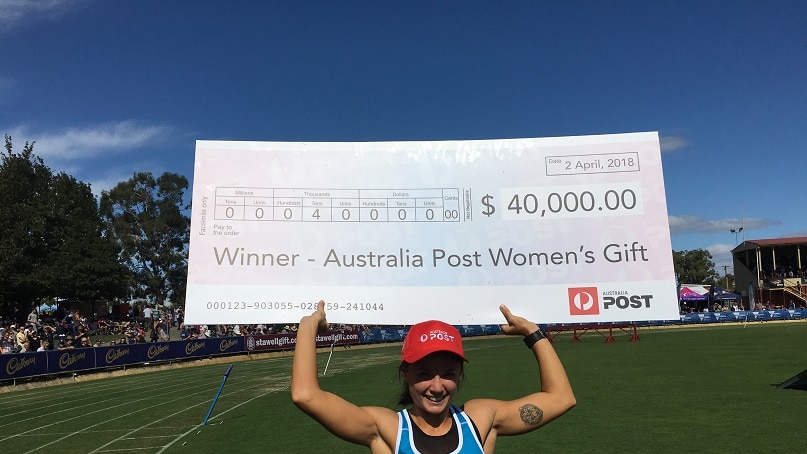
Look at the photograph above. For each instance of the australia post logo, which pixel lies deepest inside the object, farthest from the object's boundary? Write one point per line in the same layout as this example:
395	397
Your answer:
583	301
437	334
586	300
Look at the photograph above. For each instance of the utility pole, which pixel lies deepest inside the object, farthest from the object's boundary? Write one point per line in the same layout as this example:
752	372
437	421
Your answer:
726	275
742	220
735	232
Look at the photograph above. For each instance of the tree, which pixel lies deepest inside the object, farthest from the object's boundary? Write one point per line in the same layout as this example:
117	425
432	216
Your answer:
52	244
24	187
82	262
145	217
695	267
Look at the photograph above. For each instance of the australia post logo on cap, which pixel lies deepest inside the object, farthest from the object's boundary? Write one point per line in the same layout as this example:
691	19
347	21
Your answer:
437	334
583	301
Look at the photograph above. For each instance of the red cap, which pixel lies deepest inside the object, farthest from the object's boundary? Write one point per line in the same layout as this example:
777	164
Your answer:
429	337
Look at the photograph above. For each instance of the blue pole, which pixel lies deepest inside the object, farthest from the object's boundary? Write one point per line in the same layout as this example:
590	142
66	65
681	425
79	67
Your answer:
213	404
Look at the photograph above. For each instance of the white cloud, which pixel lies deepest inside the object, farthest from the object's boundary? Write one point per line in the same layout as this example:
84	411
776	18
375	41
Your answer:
696	224
82	143
672	143
721	256
16	13
77	151
104	179
690	224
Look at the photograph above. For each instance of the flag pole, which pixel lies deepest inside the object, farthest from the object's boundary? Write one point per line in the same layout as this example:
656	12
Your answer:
213	404
329	356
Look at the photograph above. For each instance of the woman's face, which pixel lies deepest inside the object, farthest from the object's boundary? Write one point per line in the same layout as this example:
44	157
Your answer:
433	381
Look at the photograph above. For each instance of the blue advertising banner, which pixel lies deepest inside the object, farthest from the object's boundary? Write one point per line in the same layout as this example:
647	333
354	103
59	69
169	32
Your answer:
491	329
470	330
206	347
371	336
70	360
158	351
23	365
270	342
120	355
758	316
340	337
277	342
692	318
722	317
393	334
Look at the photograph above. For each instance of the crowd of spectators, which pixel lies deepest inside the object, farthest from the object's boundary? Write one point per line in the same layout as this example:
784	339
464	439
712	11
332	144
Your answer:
782	272
694	306
59	330
48	331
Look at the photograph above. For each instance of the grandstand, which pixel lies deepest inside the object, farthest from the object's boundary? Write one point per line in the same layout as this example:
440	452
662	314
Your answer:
772	272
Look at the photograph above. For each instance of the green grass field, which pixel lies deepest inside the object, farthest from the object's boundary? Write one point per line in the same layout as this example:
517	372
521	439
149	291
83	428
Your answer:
705	390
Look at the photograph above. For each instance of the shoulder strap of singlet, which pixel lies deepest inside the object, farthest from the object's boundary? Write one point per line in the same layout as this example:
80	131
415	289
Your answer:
404	443
468	432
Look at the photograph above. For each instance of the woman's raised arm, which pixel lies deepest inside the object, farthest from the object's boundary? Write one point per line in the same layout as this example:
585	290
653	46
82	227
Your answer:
534	410
344	419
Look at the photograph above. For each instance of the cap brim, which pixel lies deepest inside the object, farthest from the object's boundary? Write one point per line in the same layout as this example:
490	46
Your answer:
413	358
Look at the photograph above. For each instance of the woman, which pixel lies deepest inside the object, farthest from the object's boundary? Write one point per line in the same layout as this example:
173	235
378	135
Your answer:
431	366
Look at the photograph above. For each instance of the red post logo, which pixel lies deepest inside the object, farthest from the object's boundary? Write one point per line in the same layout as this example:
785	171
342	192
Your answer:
583	301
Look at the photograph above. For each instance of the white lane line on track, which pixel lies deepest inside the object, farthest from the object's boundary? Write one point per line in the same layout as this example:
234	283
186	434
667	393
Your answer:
70	407
127	435
83	415
159	404
220	414
360	363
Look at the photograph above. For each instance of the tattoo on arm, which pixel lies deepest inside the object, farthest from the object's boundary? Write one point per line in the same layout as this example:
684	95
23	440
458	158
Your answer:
531	414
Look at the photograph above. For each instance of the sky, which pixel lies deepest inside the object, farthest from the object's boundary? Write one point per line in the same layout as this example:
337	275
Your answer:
107	89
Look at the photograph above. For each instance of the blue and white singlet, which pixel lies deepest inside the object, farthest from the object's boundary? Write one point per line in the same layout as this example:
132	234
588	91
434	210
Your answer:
462	436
